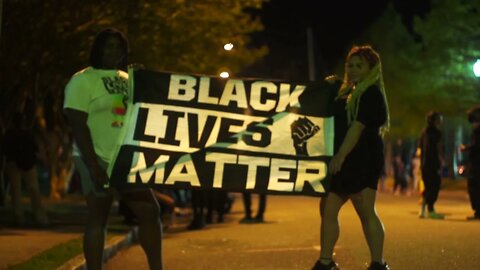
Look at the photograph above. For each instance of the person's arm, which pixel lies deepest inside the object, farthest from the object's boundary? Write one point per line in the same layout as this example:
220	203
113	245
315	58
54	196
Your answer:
353	134
441	156
83	139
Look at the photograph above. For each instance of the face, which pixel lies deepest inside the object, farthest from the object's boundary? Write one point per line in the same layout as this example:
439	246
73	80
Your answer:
357	68
112	53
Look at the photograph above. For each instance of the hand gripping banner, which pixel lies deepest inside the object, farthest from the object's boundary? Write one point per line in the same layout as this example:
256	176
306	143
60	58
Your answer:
185	131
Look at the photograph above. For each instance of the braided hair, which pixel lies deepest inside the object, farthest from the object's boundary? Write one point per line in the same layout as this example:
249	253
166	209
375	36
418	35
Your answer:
374	76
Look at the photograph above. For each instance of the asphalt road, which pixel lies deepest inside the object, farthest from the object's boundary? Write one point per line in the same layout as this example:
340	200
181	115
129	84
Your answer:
289	239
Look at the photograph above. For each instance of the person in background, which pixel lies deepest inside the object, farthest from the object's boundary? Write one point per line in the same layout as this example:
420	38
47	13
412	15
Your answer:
198	204
399	165
473	167
22	154
431	161
247	204
216	200
361	116
95	103
417	183
2	163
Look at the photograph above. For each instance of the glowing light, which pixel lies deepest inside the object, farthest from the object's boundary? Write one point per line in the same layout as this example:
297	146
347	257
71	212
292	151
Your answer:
224	74
476	68
228	46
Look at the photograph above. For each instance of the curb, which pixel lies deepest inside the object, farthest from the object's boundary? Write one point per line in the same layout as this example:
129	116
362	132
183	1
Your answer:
111	248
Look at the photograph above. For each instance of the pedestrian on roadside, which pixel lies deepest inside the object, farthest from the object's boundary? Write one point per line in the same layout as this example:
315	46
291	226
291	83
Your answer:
2	163
198	202
473	166
216	200
417	183
399	164
361	118
431	163
247	204
95	103
22	155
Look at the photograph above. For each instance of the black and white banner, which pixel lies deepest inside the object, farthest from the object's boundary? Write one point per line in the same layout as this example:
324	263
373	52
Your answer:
197	132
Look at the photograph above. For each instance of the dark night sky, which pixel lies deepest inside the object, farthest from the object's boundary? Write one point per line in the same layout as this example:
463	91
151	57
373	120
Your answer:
334	25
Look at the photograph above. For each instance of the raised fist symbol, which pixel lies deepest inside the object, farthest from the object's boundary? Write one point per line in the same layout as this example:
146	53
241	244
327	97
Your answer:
302	129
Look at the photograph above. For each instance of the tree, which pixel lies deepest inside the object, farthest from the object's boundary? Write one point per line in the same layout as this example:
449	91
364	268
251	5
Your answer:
450	45
432	72
396	46
44	42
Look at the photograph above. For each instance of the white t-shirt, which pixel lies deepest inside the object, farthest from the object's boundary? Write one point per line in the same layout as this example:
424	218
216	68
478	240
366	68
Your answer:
103	95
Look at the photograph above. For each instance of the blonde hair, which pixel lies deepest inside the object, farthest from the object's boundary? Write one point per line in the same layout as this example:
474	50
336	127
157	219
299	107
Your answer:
374	77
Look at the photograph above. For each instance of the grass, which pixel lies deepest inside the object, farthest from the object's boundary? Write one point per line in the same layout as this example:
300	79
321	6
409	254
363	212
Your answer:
60	254
52	258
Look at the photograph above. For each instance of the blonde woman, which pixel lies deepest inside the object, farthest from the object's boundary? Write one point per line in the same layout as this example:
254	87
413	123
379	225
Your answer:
361	118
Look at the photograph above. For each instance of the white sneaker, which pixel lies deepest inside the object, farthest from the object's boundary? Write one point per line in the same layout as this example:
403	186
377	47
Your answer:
423	210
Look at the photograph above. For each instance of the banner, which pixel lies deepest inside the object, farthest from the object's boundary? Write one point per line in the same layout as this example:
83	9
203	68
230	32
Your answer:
188	131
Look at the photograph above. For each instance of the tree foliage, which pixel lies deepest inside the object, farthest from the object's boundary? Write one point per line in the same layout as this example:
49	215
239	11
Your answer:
433	72
450	44
45	41
389	36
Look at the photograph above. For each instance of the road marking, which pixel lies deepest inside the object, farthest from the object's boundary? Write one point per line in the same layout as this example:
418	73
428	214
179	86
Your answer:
282	249
317	248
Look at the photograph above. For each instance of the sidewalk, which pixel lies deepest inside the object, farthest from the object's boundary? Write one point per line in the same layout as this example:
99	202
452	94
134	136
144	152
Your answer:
67	217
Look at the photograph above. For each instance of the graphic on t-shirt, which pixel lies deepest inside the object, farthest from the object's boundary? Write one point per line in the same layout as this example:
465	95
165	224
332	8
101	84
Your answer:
118	88
119	108
116	85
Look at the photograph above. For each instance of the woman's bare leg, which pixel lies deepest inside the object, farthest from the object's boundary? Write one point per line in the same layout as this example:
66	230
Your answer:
364	203
330	227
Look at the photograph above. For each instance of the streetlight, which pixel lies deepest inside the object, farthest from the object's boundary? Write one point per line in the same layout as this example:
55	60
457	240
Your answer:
228	46
476	68
224	74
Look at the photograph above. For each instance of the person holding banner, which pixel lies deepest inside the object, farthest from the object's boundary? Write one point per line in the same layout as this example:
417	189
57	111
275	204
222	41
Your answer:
361	117
95	102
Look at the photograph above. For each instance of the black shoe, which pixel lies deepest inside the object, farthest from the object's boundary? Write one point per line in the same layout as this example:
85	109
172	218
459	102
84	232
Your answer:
320	266
378	266
196	225
259	219
246	220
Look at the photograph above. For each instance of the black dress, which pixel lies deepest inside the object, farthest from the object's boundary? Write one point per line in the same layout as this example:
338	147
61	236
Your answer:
364	164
